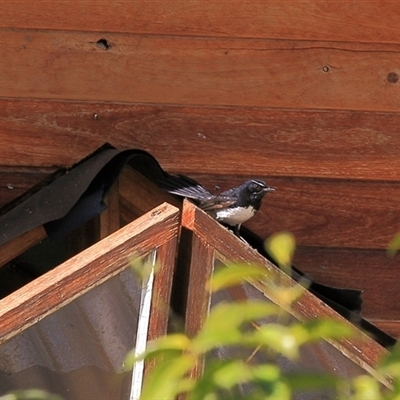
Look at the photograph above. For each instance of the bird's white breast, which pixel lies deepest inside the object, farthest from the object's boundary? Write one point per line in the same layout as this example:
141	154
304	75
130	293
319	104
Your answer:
235	216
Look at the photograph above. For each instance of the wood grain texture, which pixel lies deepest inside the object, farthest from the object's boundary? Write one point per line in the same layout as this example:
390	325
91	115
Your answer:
160	307
86	270
161	298
373	21
182	70
217	141
138	195
361	349
110	218
373	272
198	304
18	245
15	181
324	213
199	297
389	326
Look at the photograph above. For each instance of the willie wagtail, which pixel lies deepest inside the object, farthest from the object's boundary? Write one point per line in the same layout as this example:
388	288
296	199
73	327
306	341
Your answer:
232	207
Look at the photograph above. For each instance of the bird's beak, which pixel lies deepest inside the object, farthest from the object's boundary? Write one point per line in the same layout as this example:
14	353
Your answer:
269	189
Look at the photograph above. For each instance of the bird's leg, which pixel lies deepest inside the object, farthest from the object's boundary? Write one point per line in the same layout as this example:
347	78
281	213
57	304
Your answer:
236	230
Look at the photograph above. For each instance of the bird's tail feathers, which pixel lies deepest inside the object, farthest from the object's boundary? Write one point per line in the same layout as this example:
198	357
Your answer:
183	186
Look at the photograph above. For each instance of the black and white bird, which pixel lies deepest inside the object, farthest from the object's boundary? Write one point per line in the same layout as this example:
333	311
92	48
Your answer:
232	207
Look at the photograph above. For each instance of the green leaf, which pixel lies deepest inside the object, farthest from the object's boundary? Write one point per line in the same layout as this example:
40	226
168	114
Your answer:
232	373
280	391
186	385
170	343
165	381
394	245
366	388
234	275
318	329
281	246
142	268
224	376
205	387
391	363
311	381
30	394
266	372
175	341
276	337
285	296
268	380
223	324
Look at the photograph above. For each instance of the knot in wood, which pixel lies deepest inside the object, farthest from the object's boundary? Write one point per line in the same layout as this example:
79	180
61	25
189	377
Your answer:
392	77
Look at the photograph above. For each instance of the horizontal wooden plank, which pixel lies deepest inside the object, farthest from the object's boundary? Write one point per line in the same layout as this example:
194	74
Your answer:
391	327
210	140
291	19
230	145
184	70
18	245
373	272
15	181
326	213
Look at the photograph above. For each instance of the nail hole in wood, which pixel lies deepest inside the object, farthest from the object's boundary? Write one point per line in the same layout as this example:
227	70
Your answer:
325	68
103	44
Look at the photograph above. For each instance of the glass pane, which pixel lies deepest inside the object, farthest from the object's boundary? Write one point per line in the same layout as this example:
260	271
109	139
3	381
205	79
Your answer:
78	351
316	358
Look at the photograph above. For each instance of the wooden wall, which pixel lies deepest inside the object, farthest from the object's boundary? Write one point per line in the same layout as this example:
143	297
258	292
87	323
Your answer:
305	94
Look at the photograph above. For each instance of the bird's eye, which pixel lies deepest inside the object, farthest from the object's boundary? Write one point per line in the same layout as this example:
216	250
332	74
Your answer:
255	188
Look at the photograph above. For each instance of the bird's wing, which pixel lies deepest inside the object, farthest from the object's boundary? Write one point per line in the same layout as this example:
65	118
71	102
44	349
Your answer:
217	203
186	187
224	200
229	193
